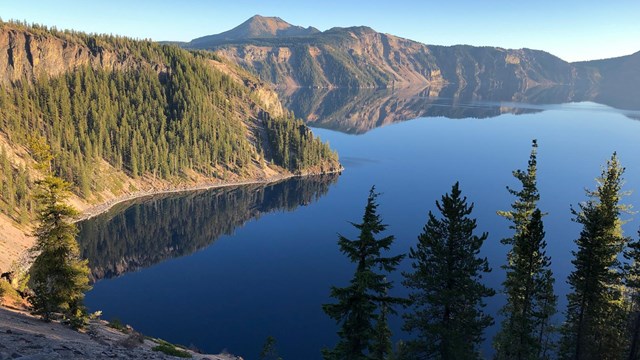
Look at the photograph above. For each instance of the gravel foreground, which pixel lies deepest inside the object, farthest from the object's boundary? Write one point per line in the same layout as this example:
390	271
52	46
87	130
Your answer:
23	336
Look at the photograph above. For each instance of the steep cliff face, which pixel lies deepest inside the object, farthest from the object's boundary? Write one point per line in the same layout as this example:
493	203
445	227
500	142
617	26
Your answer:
32	53
616	81
361	57
354	57
28	54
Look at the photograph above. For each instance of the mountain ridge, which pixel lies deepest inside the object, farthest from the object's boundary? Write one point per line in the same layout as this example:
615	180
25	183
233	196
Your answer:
360	57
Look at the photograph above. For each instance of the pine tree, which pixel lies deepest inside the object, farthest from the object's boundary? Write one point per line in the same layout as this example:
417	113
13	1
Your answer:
632	283
269	349
381	346
59	278
447	295
595	320
531	303
362	306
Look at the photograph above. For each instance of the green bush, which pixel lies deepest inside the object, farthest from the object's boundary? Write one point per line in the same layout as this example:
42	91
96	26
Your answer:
169	349
115	323
9	294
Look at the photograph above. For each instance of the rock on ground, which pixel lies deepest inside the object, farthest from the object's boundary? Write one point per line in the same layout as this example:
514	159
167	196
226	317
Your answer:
23	336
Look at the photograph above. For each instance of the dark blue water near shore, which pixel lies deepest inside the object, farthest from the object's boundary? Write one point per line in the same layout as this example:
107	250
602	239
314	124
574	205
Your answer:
266	268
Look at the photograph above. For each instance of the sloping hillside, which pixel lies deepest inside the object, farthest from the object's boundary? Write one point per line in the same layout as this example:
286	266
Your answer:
122	116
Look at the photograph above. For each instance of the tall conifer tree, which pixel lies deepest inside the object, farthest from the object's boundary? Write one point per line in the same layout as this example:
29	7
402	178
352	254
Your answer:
632	282
526	328
595	320
59	278
362	306
447	293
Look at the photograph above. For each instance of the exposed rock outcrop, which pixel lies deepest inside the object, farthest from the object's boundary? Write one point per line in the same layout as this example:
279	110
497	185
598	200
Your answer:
25	337
27	54
359	57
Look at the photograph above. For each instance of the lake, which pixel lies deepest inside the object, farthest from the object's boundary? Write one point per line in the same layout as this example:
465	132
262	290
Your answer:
224	269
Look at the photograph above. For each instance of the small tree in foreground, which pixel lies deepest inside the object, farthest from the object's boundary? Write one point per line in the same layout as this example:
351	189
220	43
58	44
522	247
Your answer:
363	305
447	292
59	278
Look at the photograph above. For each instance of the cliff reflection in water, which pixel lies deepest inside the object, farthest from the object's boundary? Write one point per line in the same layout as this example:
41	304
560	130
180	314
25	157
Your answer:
146	231
356	111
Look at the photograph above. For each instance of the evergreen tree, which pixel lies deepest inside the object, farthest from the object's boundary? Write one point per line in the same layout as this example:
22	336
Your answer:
59	278
526	328
595	320
632	282
381	346
447	295
362	306
269	349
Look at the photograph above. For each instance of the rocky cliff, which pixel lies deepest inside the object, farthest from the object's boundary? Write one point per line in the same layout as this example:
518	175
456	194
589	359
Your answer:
359	57
617	80
30	53
362	57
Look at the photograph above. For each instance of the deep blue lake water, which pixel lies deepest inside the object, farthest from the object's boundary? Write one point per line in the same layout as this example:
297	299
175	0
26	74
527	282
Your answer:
224	269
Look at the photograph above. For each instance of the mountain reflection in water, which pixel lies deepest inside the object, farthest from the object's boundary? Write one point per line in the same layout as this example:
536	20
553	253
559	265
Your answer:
121	240
356	111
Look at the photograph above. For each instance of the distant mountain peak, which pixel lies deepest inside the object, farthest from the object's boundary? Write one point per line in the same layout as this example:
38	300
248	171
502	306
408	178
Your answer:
259	26
256	27
259	18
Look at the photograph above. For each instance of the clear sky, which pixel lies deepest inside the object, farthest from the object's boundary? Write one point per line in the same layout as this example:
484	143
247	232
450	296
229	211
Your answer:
571	29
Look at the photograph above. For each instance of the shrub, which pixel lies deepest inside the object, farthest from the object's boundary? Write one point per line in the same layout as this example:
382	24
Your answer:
9	294
115	323
170	349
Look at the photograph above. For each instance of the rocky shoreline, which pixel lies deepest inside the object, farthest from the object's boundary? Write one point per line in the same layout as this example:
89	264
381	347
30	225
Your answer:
23	336
106	206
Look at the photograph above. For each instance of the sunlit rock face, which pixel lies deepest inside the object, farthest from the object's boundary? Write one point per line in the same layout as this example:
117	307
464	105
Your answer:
359	57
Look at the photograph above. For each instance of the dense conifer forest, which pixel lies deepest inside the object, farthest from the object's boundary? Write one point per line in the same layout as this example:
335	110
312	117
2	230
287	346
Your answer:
165	114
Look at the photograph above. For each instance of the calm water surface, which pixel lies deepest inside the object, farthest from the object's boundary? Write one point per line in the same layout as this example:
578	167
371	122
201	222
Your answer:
224	269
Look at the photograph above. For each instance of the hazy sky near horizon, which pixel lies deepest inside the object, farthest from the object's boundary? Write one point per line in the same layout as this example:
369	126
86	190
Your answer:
571	29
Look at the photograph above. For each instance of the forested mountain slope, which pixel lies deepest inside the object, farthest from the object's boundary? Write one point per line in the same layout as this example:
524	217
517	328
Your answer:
122	116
